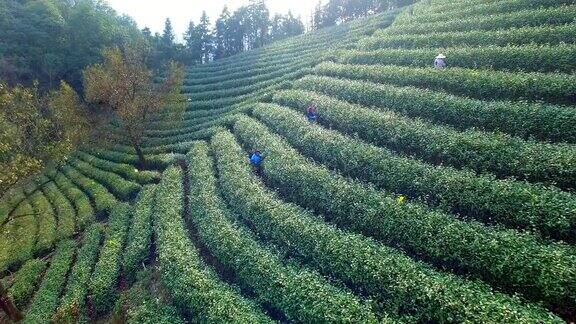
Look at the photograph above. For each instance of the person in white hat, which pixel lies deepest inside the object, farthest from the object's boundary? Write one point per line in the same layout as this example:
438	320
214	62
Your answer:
439	62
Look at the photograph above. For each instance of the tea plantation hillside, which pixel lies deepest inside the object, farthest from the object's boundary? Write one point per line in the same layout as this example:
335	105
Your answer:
421	195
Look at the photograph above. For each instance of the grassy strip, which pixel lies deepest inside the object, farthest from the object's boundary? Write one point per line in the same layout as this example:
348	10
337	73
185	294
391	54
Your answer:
26	281
248	89
551	35
526	120
233	81
303	296
483	152
399	283
129	172
82	206
103	200
196	290
46	299
140	234
524	18
46	222
481	84
104	280
530	58
506	258
73	303
155	162
512	203
142	303
62	208
466	9
120	187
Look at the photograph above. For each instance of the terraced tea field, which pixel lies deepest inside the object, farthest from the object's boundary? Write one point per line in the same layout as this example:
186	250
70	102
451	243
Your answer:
422	195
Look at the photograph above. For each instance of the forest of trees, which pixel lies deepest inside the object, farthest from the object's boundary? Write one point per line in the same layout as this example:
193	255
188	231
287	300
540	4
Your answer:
247	28
53	40
250	27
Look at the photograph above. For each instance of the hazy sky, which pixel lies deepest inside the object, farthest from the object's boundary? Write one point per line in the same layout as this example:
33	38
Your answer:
152	13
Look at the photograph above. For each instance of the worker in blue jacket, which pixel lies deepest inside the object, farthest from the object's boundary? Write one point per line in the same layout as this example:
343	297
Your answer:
256	160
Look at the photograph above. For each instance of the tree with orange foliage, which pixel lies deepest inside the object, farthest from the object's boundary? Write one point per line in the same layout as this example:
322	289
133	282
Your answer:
124	85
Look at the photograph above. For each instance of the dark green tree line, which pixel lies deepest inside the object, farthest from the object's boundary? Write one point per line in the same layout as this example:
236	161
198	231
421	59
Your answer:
53	40
250	27
247	28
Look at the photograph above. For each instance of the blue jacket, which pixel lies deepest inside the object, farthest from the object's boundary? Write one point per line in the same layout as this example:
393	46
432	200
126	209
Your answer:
256	159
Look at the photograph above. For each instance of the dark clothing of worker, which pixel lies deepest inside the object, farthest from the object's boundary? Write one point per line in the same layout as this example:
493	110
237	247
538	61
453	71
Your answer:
312	114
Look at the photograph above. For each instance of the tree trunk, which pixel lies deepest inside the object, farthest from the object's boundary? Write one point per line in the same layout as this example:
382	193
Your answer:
141	156
8	306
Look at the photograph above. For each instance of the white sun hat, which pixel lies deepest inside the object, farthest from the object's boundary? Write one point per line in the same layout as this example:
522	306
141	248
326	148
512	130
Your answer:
441	56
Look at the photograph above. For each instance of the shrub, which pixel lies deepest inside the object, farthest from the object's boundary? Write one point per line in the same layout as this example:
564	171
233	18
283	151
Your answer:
120	187
390	277
483	152
195	289
18	237
9	202
540	271
235	81
46	298
486	85
526	120
26	281
46	222
129	172
84	212
119	155
62	208
139	234
107	270
141	304
530	58
513	203
551	35
247	89
524	18
103	200
462	10
73	301
303	296
191	135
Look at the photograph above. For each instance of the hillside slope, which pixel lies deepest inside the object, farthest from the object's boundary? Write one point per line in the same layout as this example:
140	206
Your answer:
421	195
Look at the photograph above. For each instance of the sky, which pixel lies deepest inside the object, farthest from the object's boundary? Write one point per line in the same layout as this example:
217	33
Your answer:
152	13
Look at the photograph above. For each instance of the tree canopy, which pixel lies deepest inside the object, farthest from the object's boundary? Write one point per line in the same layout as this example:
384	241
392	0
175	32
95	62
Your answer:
50	40
37	129
124	85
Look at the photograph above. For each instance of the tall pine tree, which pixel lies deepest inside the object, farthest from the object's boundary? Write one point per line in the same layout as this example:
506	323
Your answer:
222	40
205	36
168	47
193	44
